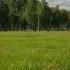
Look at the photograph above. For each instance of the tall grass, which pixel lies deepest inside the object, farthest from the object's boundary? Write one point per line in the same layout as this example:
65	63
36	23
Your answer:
34	51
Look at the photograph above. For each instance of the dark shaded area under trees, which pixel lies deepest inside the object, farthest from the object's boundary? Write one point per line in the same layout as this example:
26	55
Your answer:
19	15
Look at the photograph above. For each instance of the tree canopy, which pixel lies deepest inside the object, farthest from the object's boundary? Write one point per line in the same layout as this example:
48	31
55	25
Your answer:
32	14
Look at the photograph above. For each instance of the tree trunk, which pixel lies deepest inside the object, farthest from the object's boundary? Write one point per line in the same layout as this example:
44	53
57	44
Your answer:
38	22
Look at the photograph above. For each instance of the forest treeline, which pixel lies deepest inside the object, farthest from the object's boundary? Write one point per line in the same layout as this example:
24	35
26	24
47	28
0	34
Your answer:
36	15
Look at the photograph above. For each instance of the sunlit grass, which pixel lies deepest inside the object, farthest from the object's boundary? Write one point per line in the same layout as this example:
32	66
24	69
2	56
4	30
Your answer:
34	51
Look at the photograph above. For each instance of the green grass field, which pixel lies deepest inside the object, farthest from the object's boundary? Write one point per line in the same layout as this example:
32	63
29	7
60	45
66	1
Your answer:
34	51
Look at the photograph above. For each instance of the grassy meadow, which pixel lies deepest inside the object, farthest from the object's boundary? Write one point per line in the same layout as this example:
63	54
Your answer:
34	50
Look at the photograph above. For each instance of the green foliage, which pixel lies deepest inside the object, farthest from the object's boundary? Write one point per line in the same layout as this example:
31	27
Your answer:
37	14
4	16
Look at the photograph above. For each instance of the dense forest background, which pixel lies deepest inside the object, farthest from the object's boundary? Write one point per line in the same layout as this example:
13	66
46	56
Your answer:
35	15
